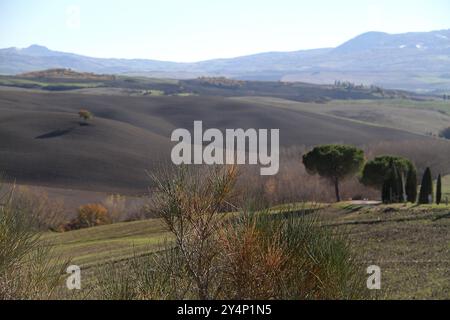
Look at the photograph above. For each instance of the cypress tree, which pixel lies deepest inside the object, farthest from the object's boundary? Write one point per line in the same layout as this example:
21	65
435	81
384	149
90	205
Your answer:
411	185
392	190
438	190
386	192
426	188
399	185
378	170
395	184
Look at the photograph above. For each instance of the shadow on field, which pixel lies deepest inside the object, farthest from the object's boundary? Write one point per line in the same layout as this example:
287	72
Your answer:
55	134
293	214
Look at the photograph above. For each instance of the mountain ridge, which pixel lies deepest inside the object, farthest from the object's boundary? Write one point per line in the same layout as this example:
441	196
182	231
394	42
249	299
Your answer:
413	61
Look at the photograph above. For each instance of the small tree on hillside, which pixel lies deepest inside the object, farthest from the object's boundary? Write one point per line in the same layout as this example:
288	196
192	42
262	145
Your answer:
85	115
439	190
334	162
89	215
378	170
426	188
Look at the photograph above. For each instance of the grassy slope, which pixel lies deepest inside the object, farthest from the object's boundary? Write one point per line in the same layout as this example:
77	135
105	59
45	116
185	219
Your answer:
31	83
423	117
413	250
410	243
446	187
88	247
70	80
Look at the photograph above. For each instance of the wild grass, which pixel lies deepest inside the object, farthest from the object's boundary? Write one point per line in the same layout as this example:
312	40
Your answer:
423	117
407	241
246	255
92	247
278	256
26	267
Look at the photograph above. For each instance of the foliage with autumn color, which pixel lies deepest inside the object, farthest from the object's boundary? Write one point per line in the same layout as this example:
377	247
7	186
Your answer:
89	215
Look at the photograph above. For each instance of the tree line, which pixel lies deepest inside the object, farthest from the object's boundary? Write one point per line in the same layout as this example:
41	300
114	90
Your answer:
395	177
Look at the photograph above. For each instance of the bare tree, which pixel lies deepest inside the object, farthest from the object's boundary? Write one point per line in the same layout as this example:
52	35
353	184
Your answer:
192	205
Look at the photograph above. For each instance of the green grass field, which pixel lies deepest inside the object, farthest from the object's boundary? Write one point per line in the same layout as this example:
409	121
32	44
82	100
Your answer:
93	246
410	243
25	83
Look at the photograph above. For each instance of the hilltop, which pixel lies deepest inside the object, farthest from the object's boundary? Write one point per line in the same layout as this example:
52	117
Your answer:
67	79
65	74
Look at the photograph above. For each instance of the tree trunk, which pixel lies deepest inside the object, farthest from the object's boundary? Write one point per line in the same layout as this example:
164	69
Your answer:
336	189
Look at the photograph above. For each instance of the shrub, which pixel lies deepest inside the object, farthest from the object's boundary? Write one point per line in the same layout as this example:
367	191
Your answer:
48	214
85	115
285	256
116	206
190	204
89	215
28	269
254	255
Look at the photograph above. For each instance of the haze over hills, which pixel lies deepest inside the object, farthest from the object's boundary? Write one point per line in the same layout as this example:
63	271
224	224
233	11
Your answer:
412	61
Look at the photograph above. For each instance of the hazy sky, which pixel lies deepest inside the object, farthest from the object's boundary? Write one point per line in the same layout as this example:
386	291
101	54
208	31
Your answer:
192	30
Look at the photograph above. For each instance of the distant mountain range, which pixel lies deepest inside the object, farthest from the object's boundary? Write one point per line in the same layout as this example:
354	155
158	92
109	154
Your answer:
413	61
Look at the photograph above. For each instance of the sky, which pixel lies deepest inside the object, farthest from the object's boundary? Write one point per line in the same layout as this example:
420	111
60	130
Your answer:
195	30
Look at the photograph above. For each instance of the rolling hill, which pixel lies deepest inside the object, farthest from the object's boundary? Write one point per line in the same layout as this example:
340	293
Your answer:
43	143
412	61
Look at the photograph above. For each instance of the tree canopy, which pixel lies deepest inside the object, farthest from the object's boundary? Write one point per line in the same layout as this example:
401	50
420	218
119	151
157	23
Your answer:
334	162
85	114
378	173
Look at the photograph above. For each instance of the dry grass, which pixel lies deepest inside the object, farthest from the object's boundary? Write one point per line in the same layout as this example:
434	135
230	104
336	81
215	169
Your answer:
232	256
27	270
